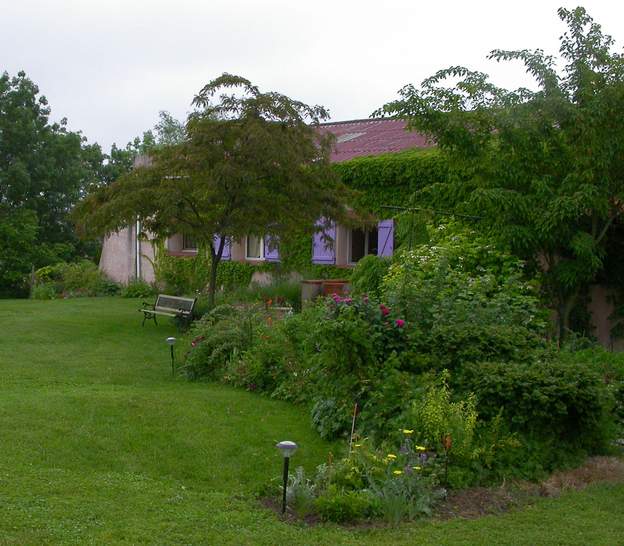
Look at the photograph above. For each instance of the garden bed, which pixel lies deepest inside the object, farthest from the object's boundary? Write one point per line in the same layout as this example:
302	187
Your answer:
477	502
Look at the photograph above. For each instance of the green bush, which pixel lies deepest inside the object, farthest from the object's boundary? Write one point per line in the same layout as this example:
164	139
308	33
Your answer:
368	275
468	299
564	404
345	506
137	289
395	484
282	294
45	291
219	337
189	275
75	279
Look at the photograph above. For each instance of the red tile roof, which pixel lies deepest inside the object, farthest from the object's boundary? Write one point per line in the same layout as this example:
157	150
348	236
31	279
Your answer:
371	137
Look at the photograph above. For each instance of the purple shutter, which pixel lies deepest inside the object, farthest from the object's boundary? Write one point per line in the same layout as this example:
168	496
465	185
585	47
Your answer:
271	249
226	247
385	241
323	250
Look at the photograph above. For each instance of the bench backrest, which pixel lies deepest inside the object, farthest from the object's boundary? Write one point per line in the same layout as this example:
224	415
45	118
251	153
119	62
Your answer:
174	303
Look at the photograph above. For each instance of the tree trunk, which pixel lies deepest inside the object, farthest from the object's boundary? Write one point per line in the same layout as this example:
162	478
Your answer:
215	259
564	310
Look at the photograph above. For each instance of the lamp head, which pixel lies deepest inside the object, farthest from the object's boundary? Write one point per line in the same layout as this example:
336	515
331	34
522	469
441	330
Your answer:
171	340
287	448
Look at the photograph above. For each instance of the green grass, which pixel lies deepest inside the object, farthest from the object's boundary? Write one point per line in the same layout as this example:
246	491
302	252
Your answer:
98	444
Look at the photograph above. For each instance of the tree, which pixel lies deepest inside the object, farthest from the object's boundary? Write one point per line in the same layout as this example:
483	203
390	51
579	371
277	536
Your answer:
546	167
44	169
250	164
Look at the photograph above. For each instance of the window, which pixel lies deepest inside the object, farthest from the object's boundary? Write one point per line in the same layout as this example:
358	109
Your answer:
188	243
254	248
362	243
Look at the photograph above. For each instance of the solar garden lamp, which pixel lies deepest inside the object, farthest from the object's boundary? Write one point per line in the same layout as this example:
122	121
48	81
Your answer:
288	449
171	342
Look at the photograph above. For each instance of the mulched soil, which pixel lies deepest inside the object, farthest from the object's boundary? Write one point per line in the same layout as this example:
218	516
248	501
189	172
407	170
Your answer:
480	501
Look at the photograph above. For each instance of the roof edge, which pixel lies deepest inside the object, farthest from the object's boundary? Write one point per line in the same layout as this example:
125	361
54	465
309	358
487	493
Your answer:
346	122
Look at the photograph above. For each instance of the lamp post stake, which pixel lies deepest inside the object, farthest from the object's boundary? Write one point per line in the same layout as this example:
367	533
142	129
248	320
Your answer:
287	448
171	341
286	463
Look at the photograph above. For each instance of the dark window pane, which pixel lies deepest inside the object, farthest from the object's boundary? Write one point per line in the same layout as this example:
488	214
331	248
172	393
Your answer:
372	242
188	243
358	245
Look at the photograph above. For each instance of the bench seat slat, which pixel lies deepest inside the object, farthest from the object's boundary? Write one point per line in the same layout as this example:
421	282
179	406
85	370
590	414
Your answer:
170	306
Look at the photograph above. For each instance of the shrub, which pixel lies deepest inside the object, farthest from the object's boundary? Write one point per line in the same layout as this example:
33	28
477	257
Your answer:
345	506
45	291
76	279
219	337
189	275
469	300
370	483
300	493
443	424
137	289
564	404
281	293
610	366
367	277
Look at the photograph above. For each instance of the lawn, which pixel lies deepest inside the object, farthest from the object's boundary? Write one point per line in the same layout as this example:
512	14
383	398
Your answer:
99	444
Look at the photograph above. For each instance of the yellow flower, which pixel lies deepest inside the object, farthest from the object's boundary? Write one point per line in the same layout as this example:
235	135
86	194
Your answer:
417	467
420	448
357	445
397	472
391	456
407	432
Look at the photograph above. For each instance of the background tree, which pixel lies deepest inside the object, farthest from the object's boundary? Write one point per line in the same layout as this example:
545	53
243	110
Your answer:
44	169
252	163
546	166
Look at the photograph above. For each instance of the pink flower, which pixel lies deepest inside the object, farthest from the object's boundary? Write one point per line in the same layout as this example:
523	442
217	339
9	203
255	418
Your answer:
385	311
197	341
399	322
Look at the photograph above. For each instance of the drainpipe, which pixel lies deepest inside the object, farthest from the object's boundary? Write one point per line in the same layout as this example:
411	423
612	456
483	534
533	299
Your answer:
138	250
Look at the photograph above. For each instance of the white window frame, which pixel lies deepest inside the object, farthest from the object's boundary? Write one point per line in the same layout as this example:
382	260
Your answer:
247	257
366	244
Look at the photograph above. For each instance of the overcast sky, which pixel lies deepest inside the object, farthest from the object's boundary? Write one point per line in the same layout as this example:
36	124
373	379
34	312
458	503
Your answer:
110	66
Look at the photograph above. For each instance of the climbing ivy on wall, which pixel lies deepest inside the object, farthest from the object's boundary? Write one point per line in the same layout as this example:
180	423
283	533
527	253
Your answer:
390	179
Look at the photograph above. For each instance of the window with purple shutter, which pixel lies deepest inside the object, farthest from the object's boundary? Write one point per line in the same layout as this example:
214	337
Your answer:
226	247
271	249
385	238
323	249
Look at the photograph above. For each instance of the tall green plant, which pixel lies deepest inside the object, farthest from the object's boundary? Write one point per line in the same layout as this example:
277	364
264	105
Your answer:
544	166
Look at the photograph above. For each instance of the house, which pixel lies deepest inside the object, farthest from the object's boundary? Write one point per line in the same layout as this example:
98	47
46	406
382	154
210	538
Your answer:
126	257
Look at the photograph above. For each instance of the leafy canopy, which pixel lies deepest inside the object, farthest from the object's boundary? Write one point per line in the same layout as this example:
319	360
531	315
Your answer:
546	165
44	169
251	163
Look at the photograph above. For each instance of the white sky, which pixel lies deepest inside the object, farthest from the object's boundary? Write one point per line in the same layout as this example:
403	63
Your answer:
109	66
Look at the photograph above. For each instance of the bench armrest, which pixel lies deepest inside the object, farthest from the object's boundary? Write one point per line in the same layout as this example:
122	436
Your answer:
152	305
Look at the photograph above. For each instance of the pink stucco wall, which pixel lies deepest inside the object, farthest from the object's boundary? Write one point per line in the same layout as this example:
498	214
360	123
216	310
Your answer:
118	260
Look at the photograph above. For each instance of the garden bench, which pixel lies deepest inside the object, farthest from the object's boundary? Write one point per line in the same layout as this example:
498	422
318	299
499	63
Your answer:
169	306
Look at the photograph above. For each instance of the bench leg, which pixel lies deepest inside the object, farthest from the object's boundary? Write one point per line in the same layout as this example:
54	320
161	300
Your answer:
149	316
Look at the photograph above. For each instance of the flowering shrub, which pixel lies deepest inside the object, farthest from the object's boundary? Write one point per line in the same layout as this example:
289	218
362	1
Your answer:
379	364
370	484
359	344
469	300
